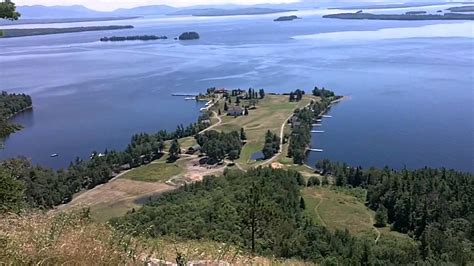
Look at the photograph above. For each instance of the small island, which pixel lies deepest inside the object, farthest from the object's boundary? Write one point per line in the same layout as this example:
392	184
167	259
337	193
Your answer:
133	38
189	36
11	33
286	18
369	16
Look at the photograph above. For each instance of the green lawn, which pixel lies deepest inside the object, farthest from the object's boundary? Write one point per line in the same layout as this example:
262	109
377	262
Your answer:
338	210
271	112
154	172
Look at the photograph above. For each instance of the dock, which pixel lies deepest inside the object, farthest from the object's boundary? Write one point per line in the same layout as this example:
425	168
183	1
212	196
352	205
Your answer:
316	150
316	125
327	116
185	94
317	131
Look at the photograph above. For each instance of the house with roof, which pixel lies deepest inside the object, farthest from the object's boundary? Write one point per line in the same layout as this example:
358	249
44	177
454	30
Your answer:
235	111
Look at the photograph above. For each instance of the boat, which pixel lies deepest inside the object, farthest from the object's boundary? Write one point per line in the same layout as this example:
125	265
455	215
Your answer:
190	98
54	155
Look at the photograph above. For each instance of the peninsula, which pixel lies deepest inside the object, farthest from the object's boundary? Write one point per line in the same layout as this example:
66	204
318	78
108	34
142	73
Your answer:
461	9
10	105
12	33
61	20
369	16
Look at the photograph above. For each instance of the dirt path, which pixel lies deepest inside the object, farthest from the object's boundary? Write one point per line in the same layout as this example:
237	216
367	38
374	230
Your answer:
377	231
317	212
219	122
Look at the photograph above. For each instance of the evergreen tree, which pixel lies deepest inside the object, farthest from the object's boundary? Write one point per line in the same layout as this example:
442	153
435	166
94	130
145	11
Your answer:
243	136
381	216
175	149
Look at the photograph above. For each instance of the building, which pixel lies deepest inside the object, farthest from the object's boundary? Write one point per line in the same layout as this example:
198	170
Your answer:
235	111
194	149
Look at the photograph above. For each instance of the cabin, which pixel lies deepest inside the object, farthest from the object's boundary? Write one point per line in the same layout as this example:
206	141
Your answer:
194	149
235	111
295	122
220	90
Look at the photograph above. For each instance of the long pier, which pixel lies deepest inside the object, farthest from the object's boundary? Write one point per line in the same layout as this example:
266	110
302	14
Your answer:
327	116
316	125
316	150
317	131
185	94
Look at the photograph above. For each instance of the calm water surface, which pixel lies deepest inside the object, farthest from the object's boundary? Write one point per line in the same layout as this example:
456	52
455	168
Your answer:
411	84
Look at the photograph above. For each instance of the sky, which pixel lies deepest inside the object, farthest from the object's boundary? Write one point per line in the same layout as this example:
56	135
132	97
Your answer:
108	5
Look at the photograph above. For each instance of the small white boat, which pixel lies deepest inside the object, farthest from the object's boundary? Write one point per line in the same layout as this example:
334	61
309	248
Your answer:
190	98
54	155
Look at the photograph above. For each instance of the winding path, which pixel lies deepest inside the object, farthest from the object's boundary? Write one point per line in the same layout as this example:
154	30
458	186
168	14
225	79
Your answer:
219	122
377	231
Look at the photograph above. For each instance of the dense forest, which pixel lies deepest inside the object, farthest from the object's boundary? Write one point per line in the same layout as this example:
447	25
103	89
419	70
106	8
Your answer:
261	211
11	104
189	36
219	145
301	132
434	206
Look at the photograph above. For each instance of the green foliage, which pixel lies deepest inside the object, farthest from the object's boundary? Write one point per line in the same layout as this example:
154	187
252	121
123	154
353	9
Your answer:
219	145
301	133
313	182
175	149
271	146
11	191
261	211
381	216
422	203
8	10
11	104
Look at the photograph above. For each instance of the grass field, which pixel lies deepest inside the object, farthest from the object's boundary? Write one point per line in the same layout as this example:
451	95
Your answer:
270	114
337	210
154	172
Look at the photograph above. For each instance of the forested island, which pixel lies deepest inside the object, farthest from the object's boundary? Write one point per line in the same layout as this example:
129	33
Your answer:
189	36
10	105
11	33
133	38
361	15
415	12
461	9
286	18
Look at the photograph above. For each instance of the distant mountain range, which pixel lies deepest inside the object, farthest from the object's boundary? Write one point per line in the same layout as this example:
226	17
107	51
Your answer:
77	11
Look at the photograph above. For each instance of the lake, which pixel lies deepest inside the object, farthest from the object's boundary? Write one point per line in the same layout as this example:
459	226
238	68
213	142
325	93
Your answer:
410	84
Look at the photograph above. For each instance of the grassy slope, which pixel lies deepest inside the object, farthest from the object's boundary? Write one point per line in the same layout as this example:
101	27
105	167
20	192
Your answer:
271	112
154	172
339	210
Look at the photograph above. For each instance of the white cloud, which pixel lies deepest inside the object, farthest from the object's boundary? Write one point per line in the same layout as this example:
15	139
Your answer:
108	5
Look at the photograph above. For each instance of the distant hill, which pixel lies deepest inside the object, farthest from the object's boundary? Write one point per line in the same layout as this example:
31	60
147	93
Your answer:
229	12
76	11
145	10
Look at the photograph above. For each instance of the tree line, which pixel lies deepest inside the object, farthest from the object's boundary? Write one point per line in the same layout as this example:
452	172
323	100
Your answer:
271	146
219	145
11	104
433	206
261	211
302	123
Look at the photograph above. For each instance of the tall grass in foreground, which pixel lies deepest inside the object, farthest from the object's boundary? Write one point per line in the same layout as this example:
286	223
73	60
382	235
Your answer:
37	239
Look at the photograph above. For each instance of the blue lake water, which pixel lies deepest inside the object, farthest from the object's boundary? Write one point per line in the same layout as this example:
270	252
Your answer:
411	84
